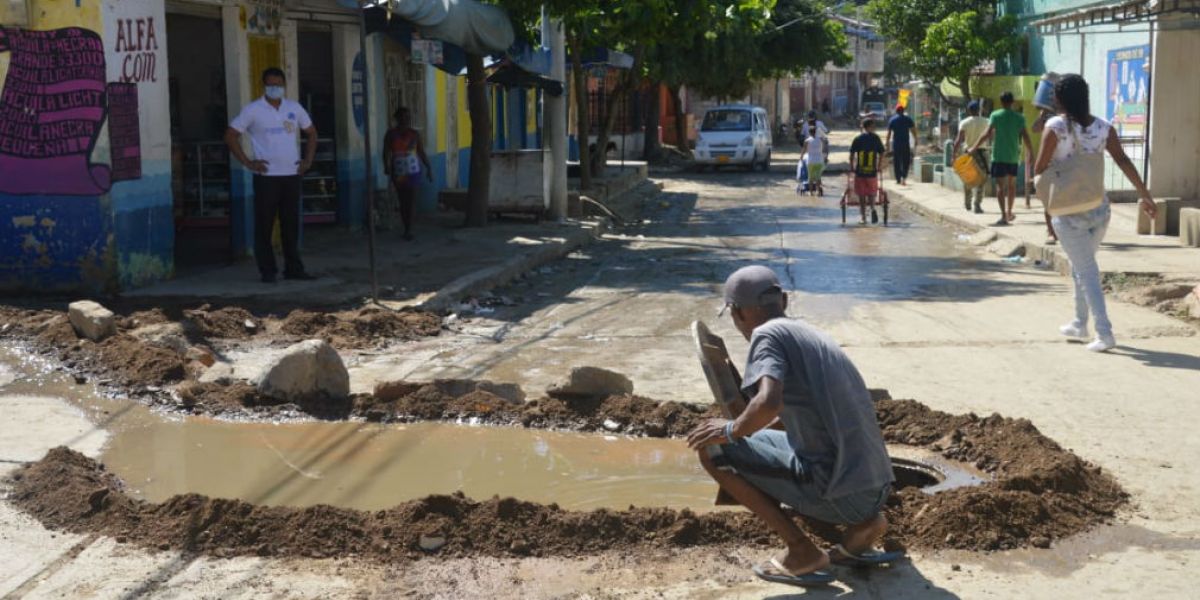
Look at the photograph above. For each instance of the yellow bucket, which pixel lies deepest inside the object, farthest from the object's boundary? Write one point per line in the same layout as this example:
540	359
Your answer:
968	170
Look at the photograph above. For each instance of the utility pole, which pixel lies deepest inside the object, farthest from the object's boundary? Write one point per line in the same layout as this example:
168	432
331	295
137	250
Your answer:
554	120
857	35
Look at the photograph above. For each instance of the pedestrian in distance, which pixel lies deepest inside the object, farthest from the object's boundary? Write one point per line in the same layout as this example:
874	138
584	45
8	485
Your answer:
1081	225
274	124
970	131
822	131
1007	126
405	161
866	156
902	132
828	462
813	155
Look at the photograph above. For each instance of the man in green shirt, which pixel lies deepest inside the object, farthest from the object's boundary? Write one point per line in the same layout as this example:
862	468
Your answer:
1007	126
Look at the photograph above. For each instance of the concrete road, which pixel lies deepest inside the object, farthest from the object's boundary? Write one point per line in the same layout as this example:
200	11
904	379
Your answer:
924	316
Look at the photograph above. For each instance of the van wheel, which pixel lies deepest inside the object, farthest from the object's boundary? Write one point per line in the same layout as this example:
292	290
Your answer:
753	163
766	165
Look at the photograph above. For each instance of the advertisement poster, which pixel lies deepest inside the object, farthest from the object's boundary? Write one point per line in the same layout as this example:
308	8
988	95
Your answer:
1128	89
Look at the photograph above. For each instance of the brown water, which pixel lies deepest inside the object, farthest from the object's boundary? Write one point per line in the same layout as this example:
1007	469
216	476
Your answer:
371	466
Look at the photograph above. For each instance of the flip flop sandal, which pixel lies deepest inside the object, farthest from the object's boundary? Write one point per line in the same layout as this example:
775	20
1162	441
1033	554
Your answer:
775	572
869	558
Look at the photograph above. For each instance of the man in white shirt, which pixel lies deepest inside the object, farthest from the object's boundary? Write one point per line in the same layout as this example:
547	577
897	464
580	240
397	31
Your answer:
970	130
274	124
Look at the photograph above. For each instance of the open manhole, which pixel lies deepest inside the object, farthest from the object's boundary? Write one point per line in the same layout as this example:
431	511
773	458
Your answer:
929	477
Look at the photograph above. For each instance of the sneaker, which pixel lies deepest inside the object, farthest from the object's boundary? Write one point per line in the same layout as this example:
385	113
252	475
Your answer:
1000	223
1102	344
1073	330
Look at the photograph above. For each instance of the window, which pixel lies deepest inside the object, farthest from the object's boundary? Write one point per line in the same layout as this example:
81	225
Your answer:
405	84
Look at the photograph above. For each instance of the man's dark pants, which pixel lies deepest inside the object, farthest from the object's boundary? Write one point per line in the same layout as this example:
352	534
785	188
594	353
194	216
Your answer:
277	196
901	161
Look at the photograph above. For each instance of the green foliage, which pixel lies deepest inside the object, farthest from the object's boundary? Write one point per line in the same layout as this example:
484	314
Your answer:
944	39
715	47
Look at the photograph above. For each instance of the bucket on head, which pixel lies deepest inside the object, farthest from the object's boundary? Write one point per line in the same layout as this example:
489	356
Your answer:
1044	96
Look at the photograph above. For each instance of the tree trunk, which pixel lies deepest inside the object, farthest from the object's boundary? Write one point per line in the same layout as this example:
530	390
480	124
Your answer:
681	128
481	142
652	120
600	161
579	80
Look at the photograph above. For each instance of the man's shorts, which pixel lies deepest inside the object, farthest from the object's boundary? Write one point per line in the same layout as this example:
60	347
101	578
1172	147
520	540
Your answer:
1002	169
766	460
866	186
815	171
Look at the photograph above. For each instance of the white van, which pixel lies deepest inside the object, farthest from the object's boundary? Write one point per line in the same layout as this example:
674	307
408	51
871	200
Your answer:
734	134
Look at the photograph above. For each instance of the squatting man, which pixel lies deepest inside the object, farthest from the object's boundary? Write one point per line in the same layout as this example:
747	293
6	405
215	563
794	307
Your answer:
828	461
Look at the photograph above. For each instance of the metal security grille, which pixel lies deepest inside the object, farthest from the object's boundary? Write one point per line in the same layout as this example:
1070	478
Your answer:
405	85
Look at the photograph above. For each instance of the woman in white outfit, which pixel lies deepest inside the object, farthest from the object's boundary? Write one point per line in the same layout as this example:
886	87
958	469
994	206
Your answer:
1073	130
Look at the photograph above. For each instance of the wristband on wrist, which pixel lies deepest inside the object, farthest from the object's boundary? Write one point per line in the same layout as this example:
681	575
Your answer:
729	432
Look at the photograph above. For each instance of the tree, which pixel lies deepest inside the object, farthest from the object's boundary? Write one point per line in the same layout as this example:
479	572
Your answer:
722	49
479	181
945	39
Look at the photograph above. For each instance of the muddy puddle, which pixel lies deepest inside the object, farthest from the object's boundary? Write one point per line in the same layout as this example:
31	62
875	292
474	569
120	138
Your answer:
370	466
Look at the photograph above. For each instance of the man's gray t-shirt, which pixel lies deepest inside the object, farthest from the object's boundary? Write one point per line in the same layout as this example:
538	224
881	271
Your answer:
827	410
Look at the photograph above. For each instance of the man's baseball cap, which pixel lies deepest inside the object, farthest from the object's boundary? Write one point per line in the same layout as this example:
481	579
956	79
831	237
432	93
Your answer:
755	285
899	108
973	105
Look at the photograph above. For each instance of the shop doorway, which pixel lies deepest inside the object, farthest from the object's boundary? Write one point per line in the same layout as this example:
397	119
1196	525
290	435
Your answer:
199	159
315	71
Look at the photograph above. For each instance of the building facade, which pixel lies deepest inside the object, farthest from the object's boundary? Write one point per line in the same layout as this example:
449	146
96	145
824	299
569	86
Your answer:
1137	58
113	172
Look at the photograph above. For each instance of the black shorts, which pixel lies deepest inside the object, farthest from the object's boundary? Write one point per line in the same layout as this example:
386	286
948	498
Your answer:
1002	169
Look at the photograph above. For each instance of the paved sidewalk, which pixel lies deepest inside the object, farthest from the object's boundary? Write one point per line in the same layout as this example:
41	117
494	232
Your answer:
1124	251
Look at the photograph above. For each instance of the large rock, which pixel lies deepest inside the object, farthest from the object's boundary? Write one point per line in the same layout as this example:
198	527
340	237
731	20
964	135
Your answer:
306	370
591	382
1007	247
91	320
1191	303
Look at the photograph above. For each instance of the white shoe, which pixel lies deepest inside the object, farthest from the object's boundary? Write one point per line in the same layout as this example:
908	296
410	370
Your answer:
1072	330
1102	344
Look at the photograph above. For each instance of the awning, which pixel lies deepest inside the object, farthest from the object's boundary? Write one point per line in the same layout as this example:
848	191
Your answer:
454	58
513	76
1115	13
475	27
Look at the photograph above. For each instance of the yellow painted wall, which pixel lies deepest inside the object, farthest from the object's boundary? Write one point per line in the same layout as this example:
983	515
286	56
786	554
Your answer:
463	117
439	89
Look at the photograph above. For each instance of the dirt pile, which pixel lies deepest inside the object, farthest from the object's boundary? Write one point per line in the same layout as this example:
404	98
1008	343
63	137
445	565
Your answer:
1040	492
363	328
628	414
66	490
126	359
230	322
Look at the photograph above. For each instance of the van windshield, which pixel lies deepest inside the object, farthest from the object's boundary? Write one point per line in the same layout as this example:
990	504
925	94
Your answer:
726	120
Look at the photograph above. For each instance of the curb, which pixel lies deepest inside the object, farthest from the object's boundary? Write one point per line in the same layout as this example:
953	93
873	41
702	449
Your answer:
480	281
1049	255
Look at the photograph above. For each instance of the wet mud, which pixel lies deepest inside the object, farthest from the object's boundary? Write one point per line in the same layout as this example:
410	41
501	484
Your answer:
153	348
1039	493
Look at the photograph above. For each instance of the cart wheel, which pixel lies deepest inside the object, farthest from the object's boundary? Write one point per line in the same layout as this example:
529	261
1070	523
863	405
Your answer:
843	211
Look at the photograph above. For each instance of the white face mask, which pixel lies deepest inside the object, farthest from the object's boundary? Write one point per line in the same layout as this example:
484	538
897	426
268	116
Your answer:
274	92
